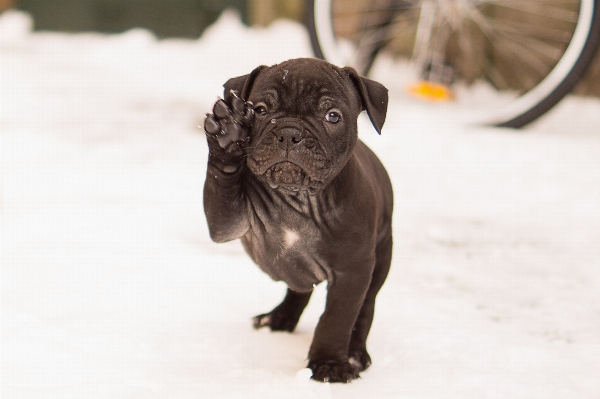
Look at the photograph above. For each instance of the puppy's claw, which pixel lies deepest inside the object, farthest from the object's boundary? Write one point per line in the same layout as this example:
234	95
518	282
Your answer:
238	104
261	321
221	109
211	126
333	371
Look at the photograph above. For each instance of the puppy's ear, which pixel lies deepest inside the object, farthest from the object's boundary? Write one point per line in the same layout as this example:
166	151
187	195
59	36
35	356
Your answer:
242	84
374	97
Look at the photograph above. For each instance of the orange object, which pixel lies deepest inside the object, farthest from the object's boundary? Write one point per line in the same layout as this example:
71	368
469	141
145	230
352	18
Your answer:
431	91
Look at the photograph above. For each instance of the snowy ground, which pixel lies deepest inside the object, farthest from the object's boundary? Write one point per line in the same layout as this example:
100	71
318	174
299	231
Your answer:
111	287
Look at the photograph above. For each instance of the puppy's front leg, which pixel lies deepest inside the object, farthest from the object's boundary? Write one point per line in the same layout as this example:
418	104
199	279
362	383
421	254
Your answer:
227	133
328	355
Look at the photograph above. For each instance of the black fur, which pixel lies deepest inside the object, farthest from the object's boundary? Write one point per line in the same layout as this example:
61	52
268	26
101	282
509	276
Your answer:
310	202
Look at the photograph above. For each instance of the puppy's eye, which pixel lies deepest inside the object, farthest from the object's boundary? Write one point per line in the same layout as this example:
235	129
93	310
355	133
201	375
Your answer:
333	117
260	110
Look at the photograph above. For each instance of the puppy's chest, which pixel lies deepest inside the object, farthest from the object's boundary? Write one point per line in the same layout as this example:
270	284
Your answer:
288	246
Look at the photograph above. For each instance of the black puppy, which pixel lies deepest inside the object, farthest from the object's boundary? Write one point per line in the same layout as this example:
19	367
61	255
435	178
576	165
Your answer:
310	202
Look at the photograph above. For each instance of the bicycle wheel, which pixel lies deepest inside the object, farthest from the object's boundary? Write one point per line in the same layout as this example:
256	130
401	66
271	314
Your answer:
529	53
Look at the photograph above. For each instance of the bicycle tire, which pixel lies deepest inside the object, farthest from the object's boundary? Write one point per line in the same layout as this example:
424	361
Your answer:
529	106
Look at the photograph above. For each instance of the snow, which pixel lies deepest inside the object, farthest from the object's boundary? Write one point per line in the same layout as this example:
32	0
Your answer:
112	288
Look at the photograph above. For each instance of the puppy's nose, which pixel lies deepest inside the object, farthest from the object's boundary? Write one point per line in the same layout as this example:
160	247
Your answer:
289	135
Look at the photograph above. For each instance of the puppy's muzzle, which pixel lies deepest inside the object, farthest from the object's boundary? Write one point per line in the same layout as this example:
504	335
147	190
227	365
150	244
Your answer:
288	156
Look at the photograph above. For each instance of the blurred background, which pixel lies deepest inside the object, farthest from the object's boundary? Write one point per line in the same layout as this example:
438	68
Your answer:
185	18
166	18
112	288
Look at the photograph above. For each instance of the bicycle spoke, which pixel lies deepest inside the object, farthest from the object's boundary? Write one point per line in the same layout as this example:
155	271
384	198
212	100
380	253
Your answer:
423	33
390	30
535	44
561	2
372	25
534	8
344	11
546	34
519	49
491	28
487	68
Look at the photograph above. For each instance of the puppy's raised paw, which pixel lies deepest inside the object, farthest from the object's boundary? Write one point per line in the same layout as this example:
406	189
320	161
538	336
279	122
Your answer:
230	121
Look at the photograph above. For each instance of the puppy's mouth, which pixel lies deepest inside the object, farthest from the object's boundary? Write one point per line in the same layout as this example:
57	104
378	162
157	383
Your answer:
290	176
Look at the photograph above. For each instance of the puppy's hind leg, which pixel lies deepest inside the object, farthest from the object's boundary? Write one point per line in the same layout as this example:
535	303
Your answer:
286	315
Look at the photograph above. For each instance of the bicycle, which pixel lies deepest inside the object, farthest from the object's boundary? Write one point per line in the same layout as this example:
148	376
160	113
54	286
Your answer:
531	52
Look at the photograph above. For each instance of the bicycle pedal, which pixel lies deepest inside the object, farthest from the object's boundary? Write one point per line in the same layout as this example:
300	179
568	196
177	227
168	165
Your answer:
431	91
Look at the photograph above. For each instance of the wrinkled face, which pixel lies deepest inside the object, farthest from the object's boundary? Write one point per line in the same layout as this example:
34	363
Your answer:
305	126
